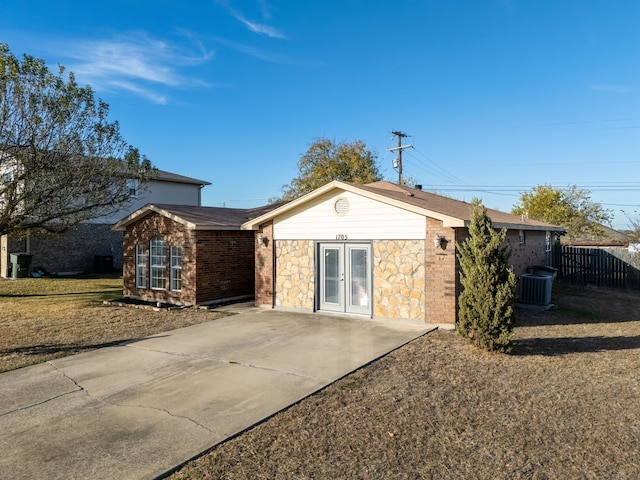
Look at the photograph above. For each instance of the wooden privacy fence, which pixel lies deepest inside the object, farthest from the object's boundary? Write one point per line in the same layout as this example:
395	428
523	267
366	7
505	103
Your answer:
594	266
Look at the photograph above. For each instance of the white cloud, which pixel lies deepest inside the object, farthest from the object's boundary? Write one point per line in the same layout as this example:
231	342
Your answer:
612	88
133	88
261	28
254	26
256	52
136	63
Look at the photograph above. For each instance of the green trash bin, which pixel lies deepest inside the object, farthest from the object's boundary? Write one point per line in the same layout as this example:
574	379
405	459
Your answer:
20	263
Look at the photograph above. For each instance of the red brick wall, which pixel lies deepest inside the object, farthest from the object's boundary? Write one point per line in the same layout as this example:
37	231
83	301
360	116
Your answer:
72	251
441	267
265	265
443	281
530	253
141	233
225	264
216	265
523	256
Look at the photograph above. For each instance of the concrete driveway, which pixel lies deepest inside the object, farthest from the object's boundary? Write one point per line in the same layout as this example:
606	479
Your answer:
139	409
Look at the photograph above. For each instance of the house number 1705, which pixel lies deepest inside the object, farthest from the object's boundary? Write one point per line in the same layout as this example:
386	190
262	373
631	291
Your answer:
341	236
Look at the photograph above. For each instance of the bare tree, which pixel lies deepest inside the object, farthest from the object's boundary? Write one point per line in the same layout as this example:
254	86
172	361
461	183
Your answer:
61	160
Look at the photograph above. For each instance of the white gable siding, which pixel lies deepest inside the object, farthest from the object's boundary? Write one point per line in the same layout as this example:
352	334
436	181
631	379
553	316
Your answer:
366	219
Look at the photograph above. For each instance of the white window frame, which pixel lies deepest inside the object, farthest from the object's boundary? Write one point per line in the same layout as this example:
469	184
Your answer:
176	269
158	263
141	266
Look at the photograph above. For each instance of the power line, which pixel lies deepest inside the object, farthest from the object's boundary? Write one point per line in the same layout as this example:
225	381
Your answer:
631	187
437	169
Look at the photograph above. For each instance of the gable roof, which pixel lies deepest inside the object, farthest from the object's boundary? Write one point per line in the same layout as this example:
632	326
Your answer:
453	213
196	218
164	176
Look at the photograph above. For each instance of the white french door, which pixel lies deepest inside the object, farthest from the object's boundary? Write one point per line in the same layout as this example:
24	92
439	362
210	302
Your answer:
344	277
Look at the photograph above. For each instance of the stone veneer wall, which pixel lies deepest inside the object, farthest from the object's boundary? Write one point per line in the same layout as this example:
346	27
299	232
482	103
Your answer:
412	279
399	279
295	274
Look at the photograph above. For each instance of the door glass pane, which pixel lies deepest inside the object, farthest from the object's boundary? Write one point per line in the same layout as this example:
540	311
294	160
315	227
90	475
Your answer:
359	286
331	275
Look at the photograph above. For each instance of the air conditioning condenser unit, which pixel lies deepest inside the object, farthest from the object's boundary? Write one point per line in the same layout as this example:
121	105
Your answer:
535	289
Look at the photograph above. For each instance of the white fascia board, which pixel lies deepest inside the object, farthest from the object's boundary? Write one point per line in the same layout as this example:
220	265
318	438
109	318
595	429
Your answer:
132	217
193	226
146	210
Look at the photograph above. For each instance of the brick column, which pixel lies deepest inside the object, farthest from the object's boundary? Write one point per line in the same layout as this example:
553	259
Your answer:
264	275
441	264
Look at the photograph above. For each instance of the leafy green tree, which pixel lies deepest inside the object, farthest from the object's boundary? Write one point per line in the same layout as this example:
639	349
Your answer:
570	208
61	160
486	304
326	160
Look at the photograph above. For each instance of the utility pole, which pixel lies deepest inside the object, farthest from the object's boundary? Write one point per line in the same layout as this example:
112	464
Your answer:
399	149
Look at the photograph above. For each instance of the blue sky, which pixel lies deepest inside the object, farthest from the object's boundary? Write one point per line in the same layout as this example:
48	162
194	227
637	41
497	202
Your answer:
497	95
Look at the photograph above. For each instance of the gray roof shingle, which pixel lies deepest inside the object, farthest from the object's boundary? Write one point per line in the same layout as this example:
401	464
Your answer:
198	218
446	206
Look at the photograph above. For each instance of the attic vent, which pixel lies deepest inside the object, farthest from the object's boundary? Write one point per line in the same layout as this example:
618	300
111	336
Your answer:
341	206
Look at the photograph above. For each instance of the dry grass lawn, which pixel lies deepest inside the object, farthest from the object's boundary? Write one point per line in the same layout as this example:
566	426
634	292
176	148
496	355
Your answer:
564	405
45	318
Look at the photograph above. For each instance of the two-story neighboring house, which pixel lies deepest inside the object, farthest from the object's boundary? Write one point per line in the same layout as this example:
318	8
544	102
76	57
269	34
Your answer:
94	245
